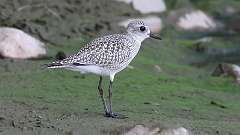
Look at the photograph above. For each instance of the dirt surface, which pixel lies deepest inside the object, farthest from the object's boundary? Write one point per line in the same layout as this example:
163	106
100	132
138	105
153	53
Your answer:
23	118
39	118
26	119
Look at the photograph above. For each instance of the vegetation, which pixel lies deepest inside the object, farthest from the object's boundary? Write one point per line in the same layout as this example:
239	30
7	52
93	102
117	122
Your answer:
181	92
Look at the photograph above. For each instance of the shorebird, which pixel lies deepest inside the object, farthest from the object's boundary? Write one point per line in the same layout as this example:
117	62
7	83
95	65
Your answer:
106	56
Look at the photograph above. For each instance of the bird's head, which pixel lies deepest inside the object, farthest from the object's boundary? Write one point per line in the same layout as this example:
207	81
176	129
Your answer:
140	31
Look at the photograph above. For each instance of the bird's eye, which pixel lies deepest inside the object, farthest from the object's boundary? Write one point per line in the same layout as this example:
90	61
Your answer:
142	28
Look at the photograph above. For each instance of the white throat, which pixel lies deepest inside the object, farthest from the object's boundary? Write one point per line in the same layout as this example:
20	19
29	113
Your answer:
138	38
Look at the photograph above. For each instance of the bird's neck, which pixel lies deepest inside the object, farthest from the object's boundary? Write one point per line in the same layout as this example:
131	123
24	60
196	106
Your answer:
136	45
136	37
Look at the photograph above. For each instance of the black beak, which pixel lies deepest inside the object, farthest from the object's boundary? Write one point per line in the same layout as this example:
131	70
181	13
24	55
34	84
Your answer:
154	36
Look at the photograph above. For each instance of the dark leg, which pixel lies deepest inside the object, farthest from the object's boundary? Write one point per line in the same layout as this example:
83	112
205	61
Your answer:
111	114
110	96
100	89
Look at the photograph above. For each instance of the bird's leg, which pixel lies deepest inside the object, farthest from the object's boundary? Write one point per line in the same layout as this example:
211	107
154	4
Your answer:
100	89
111	114
110	96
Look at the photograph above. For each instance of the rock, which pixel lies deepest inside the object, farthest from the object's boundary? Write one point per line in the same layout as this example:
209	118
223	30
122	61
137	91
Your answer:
154	23
196	20
175	131
189	19
229	70
236	70
142	130
147	6
201	45
157	68
15	43
230	10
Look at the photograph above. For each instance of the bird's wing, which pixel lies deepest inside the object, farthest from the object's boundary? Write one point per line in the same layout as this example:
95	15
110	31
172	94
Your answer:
105	51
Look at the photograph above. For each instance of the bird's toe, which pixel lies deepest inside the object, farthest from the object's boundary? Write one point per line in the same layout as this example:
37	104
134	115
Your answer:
115	115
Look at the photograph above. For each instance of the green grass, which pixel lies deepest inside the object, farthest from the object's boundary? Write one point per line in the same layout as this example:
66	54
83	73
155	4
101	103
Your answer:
179	95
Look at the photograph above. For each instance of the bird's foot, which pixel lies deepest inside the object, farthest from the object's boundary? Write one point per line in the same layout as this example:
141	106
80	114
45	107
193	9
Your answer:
115	115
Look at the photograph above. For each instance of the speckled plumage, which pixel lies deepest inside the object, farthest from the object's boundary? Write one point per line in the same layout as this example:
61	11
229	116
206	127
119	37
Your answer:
108	52
106	56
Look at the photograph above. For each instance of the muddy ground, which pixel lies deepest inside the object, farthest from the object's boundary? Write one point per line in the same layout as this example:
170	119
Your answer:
28	118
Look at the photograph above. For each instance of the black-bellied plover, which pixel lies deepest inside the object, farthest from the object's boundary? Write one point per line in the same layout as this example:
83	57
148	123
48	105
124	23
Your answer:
106	56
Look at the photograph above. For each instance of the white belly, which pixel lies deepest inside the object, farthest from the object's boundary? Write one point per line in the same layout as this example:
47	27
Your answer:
90	69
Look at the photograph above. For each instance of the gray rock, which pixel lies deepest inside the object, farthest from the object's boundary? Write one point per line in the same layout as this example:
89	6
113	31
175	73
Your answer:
15	43
196	19
231	70
192	20
142	130
147	6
